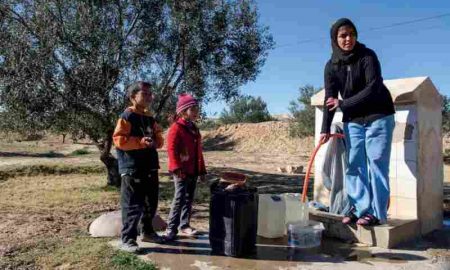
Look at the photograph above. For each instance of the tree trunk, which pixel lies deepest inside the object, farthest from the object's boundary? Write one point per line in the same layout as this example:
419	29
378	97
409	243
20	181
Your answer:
110	161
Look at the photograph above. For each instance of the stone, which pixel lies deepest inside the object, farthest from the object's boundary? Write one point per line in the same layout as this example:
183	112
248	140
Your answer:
298	169
293	169
390	235
110	225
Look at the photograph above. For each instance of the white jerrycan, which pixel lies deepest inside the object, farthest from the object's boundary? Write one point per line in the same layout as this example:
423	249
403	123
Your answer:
296	210
271	215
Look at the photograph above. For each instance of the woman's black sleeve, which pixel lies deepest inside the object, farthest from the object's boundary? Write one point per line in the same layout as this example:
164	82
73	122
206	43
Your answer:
330	91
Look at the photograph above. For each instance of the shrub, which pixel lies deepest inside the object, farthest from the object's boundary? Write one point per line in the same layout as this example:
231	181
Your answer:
246	109
303	113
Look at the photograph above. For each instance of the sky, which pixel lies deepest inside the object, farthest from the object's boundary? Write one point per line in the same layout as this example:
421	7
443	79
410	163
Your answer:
300	29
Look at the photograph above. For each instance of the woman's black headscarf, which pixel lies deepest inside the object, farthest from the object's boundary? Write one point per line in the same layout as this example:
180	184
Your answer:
339	55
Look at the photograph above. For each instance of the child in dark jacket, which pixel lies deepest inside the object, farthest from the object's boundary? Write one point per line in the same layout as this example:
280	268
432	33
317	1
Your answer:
136	137
186	163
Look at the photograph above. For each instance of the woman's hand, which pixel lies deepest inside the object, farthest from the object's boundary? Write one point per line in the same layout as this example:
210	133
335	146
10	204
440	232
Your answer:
324	137
332	103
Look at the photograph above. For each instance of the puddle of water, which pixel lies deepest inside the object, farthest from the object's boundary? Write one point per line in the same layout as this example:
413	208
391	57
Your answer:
350	252
197	253
330	251
394	258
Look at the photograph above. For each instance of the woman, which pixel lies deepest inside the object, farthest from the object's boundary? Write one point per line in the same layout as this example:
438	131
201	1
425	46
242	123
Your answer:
368	115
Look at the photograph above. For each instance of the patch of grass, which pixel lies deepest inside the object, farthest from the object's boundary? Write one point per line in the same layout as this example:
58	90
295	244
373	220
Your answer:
56	203
25	256
52	154
203	193
65	192
79	253
31	137
166	191
69	202
127	261
80	152
110	188
25	147
91	253
35	170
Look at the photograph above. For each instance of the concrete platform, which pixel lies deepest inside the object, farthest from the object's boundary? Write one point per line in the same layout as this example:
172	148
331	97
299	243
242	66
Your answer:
397	231
274	254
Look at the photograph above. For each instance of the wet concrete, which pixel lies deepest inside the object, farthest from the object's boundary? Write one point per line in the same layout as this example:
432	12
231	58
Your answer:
195	253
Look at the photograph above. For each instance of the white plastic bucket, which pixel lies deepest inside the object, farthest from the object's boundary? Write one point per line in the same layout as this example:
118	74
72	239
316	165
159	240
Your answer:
305	234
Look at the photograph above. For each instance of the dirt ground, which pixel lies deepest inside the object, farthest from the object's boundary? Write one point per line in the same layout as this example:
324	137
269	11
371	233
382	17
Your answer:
50	192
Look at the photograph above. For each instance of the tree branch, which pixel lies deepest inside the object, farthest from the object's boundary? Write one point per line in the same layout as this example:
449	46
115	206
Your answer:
130	30
168	91
22	21
86	109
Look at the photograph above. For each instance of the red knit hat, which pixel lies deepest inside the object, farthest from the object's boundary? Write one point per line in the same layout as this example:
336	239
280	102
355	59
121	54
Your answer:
185	101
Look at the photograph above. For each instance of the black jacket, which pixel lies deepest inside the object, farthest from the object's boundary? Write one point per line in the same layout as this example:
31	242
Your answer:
142	160
360	83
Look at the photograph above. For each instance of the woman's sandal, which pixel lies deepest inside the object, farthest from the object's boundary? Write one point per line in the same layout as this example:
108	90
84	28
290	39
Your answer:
349	218
368	220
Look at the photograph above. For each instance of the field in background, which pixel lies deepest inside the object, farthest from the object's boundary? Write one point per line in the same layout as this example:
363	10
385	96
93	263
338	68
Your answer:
50	192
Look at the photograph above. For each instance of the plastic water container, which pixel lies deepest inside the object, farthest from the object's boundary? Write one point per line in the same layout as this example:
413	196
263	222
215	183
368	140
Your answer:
304	234
233	219
295	210
271	215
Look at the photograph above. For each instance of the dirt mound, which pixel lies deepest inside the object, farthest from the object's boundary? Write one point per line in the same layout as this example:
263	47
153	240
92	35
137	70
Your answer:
270	137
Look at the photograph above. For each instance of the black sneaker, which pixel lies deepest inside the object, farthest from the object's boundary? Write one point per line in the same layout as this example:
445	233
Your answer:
152	238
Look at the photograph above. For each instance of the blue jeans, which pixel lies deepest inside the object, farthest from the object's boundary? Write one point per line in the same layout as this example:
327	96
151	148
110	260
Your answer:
367	174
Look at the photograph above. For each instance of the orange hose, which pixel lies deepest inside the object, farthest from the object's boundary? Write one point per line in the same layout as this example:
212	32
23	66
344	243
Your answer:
311	161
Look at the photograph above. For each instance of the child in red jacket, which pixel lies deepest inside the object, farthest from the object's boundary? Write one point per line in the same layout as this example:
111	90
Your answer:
186	163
